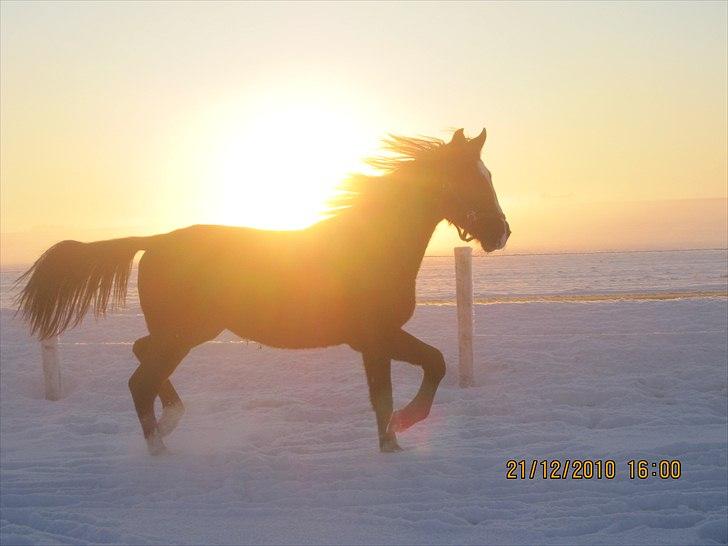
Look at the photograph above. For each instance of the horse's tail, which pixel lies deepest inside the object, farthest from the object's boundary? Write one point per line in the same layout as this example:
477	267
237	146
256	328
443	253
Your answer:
71	276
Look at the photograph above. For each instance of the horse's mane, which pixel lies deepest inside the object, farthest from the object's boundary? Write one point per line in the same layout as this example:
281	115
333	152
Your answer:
401	150
399	153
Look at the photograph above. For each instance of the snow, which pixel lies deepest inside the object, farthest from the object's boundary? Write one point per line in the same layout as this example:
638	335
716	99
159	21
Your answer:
280	446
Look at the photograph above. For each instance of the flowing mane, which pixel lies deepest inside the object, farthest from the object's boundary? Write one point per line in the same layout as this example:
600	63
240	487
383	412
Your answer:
400	152
403	151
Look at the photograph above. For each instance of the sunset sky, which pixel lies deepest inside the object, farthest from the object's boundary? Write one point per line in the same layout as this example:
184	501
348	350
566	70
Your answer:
607	122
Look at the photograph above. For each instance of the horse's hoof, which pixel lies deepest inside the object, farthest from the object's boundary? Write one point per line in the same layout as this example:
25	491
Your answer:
155	446
396	423
389	445
170	419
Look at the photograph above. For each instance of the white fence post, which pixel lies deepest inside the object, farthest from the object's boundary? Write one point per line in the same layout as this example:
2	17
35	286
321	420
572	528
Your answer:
464	294
51	368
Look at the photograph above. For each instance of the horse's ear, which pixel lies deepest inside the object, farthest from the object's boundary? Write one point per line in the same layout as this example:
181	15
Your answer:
478	141
458	137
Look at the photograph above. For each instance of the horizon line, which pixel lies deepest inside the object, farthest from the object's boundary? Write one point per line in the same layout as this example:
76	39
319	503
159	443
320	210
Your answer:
494	255
576	252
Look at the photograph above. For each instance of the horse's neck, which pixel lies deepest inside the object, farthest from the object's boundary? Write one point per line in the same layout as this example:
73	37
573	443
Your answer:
411	233
393	233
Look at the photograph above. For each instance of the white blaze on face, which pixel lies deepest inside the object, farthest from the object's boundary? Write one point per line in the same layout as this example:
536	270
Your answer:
486	174
489	181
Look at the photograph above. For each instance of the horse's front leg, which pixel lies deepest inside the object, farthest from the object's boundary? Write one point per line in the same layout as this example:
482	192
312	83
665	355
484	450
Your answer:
407	348
378	370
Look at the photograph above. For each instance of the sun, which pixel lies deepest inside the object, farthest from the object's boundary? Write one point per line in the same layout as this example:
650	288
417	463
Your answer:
277	169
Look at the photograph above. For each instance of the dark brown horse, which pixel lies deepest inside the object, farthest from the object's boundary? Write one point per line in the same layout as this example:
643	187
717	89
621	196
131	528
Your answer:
349	279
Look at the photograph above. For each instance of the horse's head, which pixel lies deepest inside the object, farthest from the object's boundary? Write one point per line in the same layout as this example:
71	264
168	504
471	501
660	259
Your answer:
469	198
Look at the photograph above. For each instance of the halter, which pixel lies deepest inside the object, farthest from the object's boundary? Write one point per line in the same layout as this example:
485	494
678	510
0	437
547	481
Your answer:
470	217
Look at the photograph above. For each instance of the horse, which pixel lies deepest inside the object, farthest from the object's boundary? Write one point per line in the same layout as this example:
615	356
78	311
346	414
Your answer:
348	279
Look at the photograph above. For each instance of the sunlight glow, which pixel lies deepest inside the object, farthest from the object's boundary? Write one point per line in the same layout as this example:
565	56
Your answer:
276	170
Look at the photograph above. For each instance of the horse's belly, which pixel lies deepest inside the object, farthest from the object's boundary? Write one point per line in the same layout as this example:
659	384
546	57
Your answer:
292	324
319	322
290	333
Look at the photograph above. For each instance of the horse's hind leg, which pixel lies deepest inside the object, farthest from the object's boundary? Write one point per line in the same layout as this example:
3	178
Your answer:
157	360
172	408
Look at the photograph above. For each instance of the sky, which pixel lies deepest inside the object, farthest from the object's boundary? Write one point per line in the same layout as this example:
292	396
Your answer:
607	122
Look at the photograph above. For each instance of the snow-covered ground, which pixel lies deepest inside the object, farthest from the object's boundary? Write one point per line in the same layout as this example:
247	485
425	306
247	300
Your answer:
280	446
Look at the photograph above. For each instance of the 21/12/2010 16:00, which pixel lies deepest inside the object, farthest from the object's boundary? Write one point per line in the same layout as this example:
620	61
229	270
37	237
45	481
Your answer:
585	469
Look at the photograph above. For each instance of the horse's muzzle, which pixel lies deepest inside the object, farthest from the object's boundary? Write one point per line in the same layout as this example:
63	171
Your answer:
498	236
